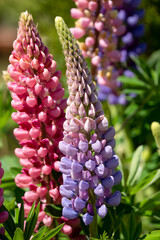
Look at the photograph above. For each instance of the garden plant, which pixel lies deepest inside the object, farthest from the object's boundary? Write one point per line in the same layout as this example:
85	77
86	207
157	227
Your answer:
80	151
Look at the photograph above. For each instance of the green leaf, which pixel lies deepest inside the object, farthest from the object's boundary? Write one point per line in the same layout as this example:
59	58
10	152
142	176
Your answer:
16	215
134	165
53	232
21	216
154	58
144	69
40	234
9	224
138	230
132	225
149	202
53	210
11	205
31	221
31	212
157	74
133	83
154	235
146	181
18	235
139	75
124	231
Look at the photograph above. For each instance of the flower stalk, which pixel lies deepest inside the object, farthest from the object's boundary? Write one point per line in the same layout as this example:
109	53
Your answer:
89	164
38	98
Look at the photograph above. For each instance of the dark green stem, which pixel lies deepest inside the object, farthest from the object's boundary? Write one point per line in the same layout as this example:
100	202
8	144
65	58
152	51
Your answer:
93	228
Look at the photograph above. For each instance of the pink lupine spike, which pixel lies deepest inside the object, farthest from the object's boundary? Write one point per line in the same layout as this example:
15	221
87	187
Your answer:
37	96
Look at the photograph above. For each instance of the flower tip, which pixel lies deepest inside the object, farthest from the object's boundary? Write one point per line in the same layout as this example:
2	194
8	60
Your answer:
155	126
26	16
58	21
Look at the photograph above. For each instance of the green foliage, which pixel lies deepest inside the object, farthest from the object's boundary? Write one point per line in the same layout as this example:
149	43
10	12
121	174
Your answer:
154	235
146	181
143	108
53	210
40	233
52	232
18	234
104	236
17	230
134	166
130	229
9	224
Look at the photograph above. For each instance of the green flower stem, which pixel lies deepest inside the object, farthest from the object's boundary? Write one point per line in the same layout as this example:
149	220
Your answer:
93	228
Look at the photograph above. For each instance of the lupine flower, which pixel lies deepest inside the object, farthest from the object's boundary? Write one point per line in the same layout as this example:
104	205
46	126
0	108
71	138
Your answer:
37	96
99	23
4	214
89	164
130	14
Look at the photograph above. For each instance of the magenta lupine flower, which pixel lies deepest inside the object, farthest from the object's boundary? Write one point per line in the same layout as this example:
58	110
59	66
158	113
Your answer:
99	23
4	214
89	164
37	96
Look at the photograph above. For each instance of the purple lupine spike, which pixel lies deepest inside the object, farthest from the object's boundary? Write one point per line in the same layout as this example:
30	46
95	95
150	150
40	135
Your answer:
131	15
87	175
98	21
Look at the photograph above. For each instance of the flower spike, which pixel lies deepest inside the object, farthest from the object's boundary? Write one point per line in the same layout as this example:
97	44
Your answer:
37	96
89	164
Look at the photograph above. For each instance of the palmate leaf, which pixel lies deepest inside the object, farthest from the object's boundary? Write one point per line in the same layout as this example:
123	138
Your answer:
40	234
21	216
154	58
143	69
18	235
130	91
134	166
149	202
133	83
154	235
157	74
52	232
146	181
10	205
132	226
124	231
129	227
31	221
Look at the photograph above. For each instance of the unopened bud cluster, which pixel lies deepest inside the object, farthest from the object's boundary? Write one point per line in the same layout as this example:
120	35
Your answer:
37	97
98	21
89	164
